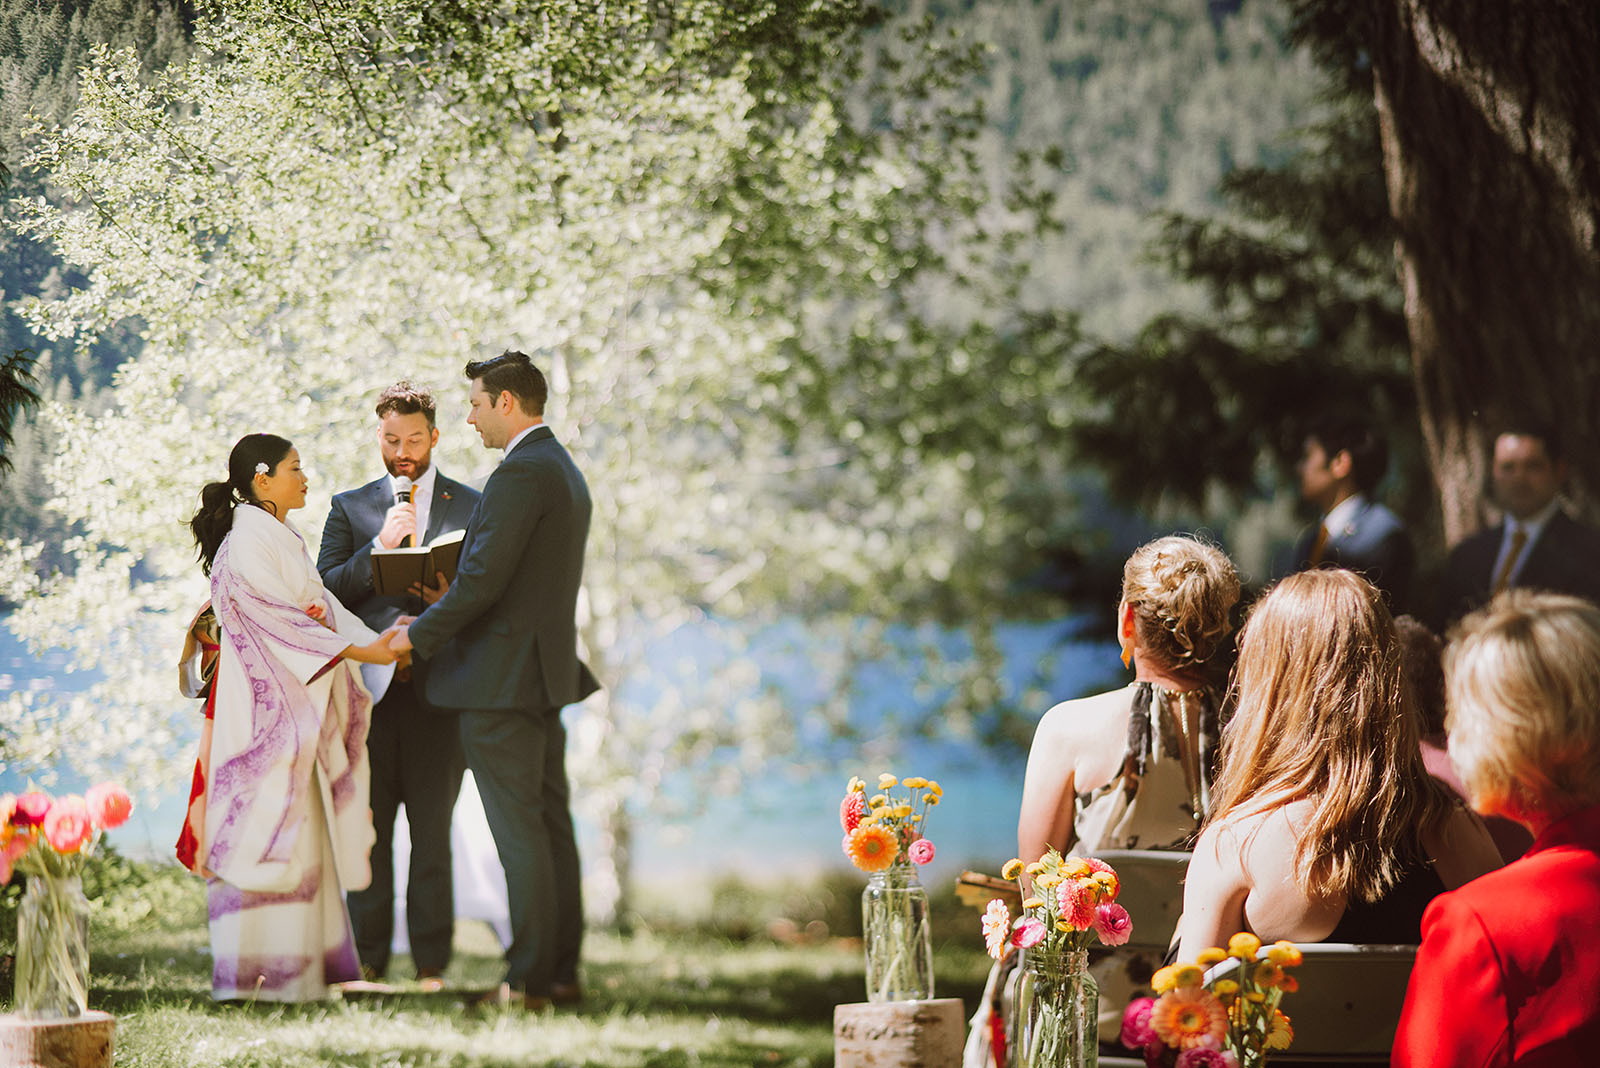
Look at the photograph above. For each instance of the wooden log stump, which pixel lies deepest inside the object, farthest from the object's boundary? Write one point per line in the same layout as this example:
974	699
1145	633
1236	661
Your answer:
899	1034
82	1042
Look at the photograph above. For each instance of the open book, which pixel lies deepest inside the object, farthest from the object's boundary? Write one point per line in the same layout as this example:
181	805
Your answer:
395	571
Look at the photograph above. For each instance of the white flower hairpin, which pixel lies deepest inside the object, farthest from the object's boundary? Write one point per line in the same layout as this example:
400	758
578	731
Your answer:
261	468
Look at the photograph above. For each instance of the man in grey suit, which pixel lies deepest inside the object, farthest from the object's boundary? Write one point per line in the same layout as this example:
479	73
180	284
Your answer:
501	645
414	750
1342	462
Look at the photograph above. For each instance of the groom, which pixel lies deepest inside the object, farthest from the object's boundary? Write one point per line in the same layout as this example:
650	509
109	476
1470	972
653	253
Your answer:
501	646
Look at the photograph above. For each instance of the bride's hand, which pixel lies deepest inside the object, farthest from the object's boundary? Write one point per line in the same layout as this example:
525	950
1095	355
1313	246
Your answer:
377	652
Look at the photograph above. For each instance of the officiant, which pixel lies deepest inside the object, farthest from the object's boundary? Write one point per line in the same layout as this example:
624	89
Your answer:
414	749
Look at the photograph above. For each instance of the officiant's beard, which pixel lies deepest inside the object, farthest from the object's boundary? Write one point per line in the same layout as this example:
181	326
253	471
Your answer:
418	467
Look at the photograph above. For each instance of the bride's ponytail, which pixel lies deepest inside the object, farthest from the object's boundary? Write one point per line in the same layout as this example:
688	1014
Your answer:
218	499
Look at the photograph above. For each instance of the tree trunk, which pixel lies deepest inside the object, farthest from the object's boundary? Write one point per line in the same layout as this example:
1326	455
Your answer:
1490	115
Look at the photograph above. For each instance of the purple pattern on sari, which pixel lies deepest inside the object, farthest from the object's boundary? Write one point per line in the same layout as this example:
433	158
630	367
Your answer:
340	964
283	716
258	973
225	898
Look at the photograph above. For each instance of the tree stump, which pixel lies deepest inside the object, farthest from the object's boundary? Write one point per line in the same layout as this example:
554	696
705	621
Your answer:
82	1042
899	1034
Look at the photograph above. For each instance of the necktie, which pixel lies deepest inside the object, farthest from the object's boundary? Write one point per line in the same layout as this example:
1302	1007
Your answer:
1502	578
1318	546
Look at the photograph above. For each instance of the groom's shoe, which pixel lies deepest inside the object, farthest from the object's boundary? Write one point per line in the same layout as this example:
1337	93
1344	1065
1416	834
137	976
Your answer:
503	998
566	993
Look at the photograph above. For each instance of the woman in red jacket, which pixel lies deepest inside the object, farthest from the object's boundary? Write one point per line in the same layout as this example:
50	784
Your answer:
1509	968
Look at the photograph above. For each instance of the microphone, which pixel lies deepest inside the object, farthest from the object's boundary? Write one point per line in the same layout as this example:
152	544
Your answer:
402	495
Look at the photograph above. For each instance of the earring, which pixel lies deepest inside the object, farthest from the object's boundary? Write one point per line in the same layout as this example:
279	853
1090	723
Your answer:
1127	656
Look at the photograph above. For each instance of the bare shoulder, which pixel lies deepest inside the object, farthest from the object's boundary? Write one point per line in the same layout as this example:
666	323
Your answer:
1091	732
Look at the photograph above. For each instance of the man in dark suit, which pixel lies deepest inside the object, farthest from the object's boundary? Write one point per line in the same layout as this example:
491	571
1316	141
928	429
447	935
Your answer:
501	645
414	749
1536	545
1342	463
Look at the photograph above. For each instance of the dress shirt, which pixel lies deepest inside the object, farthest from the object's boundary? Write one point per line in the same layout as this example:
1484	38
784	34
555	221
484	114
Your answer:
1534	526
513	442
422	497
1343	514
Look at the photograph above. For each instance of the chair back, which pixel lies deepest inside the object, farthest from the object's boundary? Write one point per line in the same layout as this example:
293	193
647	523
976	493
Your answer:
1152	892
1349	1001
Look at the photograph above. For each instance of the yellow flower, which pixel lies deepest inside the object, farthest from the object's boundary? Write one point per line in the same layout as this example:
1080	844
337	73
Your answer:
1164	979
938	791
1076	867
1211	956
1035	868
902	811
1225	988
1047	880
1063	925
1012	869
933	799
1286	954
1187	974
886	780
1189	1016
915	782
1033	903
1267	974
1243	945
856	786
1281	1034
872	848
878	801
1255	995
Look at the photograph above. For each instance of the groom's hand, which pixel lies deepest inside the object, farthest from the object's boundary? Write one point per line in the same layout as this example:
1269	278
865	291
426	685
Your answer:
399	638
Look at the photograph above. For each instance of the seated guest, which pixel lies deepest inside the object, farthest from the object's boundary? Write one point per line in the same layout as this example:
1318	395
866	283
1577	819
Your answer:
1422	657
1342	462
1325	825
1507	972
1536	545
1132	768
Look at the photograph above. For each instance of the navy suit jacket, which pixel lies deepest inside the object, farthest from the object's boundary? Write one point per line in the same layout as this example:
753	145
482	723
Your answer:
1564	559
505	635
1376	544
345	559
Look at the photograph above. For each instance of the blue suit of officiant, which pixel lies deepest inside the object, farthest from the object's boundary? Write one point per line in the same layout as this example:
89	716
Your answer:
414	749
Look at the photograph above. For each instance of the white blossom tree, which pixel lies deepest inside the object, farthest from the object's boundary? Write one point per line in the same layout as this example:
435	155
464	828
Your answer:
669	204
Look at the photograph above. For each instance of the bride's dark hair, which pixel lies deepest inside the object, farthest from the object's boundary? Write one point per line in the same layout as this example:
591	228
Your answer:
218	499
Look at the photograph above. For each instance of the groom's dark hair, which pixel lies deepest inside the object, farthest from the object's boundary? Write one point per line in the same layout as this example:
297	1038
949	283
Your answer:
514	373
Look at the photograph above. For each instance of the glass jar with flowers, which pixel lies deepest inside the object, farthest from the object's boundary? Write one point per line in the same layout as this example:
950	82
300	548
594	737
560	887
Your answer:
48	839
883	837
1224	1017
1067	902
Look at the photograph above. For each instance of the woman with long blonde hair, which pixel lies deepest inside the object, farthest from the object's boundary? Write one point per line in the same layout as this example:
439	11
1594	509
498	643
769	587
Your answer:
1326	825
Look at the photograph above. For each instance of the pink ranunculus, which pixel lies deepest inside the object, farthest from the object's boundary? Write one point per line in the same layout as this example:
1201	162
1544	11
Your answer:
32	807
1136	1029
850	810
67	827
920	851
1027	932
18	845
1206	1057
109	804
1113	924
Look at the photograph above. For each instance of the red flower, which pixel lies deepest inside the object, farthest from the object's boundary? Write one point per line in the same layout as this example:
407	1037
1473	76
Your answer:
32	807
109	804
850	810
67	827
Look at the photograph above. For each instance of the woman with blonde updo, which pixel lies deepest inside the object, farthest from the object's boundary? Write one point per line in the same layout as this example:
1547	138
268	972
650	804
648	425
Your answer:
1132	768
1326	826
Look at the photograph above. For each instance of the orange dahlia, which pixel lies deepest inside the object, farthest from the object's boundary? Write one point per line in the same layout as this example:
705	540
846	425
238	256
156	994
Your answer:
1189	1016
871	847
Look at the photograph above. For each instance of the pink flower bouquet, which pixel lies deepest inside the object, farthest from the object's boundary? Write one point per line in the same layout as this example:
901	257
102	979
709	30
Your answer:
41	835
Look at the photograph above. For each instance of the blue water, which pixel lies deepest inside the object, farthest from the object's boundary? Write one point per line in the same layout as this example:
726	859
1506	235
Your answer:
779	819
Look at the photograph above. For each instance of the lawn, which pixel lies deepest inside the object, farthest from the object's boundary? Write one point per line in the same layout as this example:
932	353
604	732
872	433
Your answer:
655	999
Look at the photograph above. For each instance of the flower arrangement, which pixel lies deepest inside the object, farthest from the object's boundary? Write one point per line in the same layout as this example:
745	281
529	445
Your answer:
886	827
49	839
41	835
1072	899
1067	903
1232	1024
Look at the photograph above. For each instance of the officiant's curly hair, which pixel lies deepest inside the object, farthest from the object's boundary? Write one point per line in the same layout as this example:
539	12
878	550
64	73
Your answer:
404	398
218	499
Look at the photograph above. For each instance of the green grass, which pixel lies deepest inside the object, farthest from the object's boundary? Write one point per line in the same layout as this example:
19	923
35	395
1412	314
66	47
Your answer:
654	1000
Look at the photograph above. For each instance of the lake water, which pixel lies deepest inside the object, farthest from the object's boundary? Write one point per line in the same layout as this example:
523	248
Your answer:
782	822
